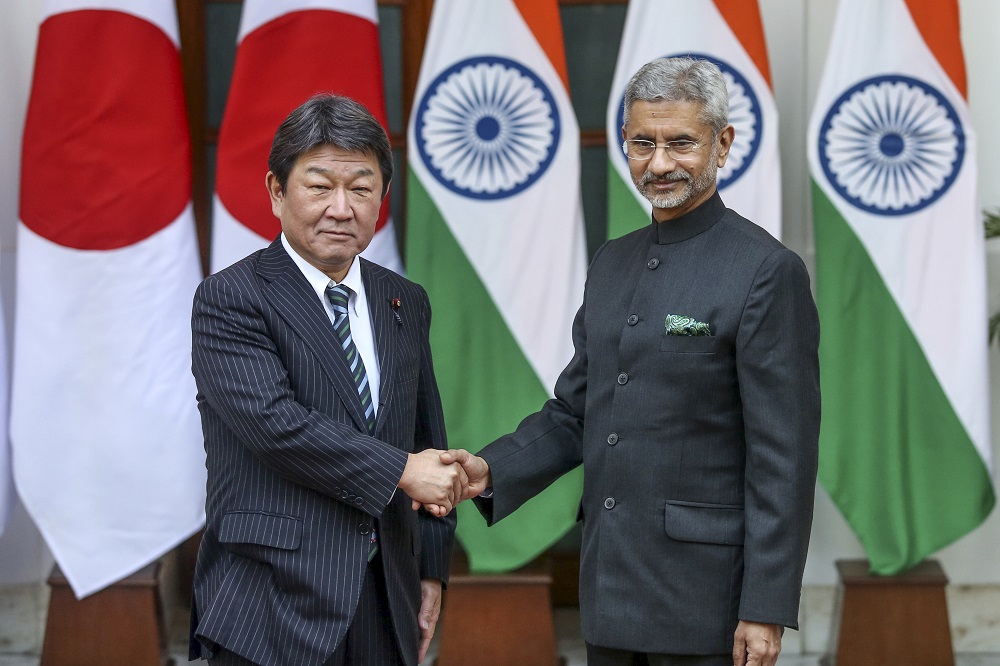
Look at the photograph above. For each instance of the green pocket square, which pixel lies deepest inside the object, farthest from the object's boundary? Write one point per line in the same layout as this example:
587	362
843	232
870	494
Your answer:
681	325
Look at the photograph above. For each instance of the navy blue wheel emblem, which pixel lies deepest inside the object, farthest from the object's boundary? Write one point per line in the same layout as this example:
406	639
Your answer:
487	127
891	145
744	116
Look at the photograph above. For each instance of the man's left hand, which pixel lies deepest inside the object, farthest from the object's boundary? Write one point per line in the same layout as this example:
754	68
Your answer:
756	644
430	609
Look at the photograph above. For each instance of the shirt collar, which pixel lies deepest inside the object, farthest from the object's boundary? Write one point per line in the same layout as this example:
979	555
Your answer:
319	281
690	224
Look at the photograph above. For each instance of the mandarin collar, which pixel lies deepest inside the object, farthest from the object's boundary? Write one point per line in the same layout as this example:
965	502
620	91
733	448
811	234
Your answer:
690	224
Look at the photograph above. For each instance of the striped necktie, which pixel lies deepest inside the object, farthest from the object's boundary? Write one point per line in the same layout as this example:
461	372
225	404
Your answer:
339	295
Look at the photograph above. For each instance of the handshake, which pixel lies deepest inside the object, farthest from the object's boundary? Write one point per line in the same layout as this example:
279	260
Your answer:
438	480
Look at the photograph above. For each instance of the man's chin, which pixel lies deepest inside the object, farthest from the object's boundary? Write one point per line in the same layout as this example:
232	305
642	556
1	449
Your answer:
668	202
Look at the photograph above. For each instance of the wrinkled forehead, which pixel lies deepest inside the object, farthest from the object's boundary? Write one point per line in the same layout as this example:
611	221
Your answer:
653	116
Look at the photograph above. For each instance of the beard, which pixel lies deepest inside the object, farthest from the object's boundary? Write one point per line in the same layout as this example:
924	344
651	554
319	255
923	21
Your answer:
696	185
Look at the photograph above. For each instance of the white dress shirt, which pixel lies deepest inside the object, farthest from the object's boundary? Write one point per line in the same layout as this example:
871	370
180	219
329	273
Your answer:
357	311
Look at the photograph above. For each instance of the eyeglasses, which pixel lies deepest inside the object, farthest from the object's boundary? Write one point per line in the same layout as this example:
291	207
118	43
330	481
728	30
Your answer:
640	149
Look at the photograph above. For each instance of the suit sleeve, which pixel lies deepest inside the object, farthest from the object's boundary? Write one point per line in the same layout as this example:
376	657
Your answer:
242	378
778	372
546	444
437	535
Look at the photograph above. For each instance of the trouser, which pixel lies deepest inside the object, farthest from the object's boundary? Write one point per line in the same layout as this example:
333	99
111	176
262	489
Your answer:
371	638
600	656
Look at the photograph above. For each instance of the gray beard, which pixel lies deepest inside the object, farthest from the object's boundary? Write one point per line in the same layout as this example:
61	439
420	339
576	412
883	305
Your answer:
694	187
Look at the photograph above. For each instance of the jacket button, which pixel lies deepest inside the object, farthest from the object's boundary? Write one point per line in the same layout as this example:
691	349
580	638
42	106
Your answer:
609	503
613	438
364	529
358	501
633	320
623	378
653	263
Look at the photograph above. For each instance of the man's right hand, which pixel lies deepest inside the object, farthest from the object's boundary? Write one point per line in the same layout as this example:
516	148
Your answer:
477	470
430	482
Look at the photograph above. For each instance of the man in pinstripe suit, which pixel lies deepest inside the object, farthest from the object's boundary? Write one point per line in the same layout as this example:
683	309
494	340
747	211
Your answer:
314	552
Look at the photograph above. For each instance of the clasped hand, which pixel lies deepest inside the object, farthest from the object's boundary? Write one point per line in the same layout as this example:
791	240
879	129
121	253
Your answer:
439	480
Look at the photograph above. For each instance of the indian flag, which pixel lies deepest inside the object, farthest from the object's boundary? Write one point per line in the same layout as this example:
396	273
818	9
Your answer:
107	445
495	234
901	282
730	34
289	50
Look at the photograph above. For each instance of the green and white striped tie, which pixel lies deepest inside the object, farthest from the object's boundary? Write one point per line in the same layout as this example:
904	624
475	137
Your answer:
339	296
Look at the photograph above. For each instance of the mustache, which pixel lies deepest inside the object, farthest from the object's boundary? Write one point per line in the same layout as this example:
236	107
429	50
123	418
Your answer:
665	178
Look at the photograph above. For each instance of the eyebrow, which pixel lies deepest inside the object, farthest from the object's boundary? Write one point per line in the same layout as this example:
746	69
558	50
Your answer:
362	171
680	137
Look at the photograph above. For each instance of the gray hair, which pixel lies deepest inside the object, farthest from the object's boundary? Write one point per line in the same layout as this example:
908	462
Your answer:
682	79
329	120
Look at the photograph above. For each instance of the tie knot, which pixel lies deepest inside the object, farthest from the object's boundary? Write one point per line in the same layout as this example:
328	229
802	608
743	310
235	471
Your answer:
339	295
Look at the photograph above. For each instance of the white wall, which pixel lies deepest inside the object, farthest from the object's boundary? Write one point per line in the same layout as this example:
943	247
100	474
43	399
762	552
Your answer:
23	555
798	34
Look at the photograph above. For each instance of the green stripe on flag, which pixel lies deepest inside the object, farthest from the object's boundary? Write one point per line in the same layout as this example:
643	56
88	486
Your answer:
487	386
625	214
893	454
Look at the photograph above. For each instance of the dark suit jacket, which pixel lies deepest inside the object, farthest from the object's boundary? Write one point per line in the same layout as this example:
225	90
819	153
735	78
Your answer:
699	453
294	483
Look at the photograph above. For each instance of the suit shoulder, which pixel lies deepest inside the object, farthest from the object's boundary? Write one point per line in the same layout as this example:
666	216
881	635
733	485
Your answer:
754	241
392	278
751	233
238	276
627	245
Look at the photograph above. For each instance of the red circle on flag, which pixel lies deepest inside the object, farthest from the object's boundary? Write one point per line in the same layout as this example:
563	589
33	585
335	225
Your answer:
106	160
278	67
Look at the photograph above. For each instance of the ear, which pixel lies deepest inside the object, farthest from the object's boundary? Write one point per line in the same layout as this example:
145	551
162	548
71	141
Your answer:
275	192
624	135
725	140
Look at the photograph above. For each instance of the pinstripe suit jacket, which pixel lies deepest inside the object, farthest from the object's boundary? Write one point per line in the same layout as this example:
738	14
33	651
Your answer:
699	453
294	483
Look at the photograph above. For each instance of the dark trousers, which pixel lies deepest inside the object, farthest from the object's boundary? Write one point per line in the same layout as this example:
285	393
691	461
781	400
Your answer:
371	638
600	656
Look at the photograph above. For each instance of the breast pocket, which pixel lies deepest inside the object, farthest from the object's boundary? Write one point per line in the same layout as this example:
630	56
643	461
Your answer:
690	344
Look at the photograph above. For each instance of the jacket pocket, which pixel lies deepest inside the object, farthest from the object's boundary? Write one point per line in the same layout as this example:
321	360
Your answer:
689	344
261	529
721	524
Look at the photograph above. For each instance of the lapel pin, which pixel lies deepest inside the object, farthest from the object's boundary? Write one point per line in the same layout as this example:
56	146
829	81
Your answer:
396	304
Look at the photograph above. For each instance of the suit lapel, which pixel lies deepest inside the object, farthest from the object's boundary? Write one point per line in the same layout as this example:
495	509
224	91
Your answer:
384	328
291	296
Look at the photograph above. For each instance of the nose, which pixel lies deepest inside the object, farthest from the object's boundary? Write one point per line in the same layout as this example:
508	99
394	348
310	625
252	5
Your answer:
337	205
661	161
